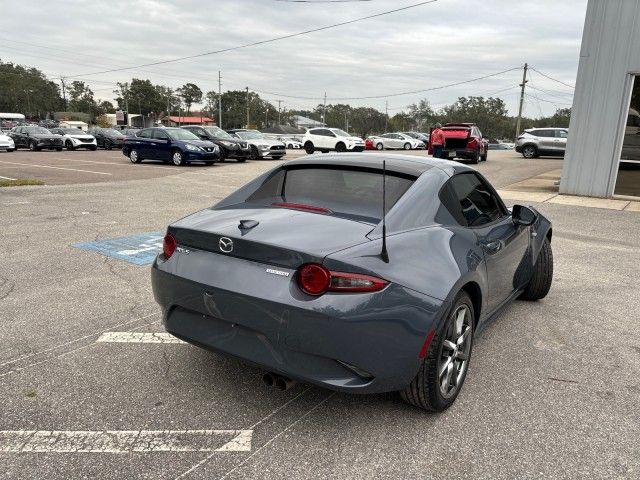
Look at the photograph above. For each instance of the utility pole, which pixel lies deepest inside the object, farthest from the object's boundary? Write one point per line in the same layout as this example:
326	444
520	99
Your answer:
247	107
324	108
279	102
522	85
266	117
64	92
219	100
386	114
346	123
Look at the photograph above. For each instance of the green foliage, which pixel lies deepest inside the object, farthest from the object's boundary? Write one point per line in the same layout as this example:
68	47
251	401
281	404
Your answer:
27	90
20	182
190	94
103	122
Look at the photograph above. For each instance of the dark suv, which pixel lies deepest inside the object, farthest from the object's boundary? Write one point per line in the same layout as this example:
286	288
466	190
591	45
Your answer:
229	147
35	138
107	138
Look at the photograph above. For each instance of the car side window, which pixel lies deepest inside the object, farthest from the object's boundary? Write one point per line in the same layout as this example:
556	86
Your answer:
146	133
474	201
545	133
562	134
160	135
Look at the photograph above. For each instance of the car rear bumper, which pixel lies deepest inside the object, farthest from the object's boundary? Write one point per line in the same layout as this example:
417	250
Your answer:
316	340
273	153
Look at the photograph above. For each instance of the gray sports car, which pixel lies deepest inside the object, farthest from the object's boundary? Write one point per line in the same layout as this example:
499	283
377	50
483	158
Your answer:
311	272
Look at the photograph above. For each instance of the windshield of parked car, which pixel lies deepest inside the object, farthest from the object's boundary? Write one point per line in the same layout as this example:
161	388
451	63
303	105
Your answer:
250	135
355	194
180	134
37	130
112	133
217	132
73	131
340	133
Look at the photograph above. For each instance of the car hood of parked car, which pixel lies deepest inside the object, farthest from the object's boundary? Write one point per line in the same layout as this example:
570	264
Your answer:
198	143
80	136
5	138
264	141
45	135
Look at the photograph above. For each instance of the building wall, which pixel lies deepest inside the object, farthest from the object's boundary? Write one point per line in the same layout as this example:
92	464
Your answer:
610	54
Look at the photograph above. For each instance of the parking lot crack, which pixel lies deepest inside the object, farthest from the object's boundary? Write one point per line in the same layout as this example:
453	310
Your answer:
6	287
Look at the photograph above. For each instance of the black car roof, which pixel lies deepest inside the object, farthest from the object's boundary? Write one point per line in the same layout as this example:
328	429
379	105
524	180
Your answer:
404	164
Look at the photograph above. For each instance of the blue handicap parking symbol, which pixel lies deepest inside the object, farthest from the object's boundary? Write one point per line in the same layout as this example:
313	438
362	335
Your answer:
139	249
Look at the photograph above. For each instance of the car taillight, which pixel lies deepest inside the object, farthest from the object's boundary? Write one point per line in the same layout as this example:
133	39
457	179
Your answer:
169	245
473	143
315	279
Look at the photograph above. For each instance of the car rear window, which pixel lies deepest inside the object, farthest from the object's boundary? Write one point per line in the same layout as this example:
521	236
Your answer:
346	192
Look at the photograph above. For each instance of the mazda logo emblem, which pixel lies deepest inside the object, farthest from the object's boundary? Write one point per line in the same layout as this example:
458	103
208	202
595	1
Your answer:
225	244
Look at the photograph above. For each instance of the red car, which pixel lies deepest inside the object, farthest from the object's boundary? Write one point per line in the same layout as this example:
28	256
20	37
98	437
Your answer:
464	140
368	144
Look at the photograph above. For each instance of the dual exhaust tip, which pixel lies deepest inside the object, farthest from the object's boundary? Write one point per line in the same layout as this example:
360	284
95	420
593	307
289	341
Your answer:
277	381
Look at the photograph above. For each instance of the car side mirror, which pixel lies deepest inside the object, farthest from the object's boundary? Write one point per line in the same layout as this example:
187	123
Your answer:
522	215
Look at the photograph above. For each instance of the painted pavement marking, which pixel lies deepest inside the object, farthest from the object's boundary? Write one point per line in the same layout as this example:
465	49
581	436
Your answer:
138	337
55	168
139	249
124	441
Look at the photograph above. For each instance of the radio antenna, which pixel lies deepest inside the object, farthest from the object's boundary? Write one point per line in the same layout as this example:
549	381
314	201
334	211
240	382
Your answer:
384	254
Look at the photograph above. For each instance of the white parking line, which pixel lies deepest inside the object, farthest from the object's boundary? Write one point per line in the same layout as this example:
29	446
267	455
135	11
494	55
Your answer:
123	164
55	168
7	178
124	441
137	337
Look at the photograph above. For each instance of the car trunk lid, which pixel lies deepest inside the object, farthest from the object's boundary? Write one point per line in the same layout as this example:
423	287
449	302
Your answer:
281	237
456	137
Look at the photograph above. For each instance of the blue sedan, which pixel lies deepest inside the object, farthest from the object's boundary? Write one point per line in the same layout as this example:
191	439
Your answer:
174	145
310	274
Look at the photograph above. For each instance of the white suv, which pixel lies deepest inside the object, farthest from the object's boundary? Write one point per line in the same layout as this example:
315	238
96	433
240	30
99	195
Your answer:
331	139
535	142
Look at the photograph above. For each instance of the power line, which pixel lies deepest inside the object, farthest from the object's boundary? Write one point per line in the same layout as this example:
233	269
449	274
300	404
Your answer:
261	42
554	79
397	94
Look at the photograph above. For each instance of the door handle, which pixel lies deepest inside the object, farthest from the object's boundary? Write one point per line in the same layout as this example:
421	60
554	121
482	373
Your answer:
492	247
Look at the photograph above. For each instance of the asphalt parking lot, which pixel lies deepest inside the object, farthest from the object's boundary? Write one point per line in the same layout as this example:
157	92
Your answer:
92	389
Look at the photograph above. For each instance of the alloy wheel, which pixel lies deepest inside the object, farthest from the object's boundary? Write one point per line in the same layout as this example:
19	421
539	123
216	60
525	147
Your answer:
176	158
133	156
529	152
455	352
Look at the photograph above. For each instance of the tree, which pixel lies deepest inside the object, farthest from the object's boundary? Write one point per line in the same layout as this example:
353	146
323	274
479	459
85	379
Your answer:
27	90
490	114
422	115
366	120
103	122
141	96
190	94
400	122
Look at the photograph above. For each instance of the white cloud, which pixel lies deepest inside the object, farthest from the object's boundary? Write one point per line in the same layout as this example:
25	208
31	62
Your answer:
420	48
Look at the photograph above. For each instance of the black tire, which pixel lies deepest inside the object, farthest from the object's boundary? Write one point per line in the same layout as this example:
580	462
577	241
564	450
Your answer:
341	147
255	154
309	148
208	163
277	157
58	149
542	277
407	146
134	156
483	158
379	146
223	155
69	145
241	160
33	146
177	158
93	148
476	158
108	145
529	151
425	390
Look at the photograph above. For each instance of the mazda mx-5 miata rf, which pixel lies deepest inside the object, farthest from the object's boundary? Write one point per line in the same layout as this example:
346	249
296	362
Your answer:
302	273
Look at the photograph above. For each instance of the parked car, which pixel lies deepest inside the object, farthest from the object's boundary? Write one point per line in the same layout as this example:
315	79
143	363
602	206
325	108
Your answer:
331	139
35	138
464	140
397	141
500	146
290	142
332	296
230	147
107	138
370	142
419	136
535	142
6	142
260	146
174	145
75	138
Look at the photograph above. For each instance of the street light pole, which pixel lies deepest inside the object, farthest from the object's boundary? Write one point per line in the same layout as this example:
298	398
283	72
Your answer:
219	99
279	102
247	107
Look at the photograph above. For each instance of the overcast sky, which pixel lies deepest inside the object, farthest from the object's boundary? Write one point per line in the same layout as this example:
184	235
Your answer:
419	48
